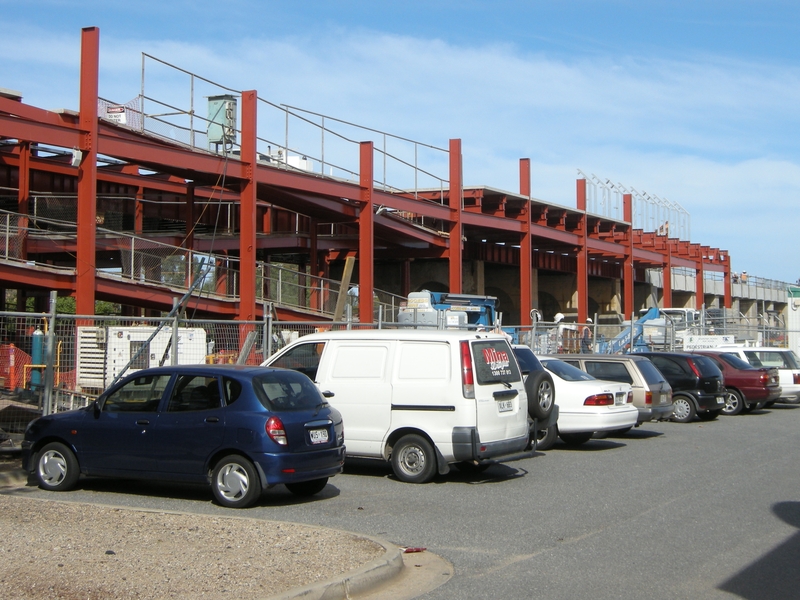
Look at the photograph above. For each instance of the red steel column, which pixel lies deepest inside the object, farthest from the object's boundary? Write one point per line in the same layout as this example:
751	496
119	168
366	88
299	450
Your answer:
583	256
456	205
23	195
366	248
666	279
699	299
525	246
247	211
87	172
727	299
627	264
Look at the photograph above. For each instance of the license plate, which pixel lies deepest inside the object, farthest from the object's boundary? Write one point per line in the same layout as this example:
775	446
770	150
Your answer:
619	398
505	405
720	399
318	436
663	399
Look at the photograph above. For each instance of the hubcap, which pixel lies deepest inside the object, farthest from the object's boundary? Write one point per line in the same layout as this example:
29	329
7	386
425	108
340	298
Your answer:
412	459
731	403
545	395
52	468
681	409
233	482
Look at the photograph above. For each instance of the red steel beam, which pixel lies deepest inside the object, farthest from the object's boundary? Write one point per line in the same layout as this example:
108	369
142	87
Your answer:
247	210
583	257
525	247
627	264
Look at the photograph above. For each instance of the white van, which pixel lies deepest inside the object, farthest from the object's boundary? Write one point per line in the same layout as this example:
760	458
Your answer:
421	399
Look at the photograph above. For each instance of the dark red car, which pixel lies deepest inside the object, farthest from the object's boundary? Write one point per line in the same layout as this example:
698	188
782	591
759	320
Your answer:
747	385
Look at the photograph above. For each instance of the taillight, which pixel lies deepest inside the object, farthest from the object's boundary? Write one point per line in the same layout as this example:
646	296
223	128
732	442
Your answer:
648	397
764	379
694	368
275	431
630	398
467	379
797	378
599	400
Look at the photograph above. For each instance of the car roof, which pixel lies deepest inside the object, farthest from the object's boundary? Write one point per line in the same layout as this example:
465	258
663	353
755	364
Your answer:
400	334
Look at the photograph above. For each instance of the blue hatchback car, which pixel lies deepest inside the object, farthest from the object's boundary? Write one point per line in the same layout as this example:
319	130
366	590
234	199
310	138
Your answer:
242	429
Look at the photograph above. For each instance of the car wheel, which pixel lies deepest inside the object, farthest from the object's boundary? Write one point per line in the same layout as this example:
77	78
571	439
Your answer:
683	410
709	415
734	403
235	482
545	438
57	468
413	459
307	488
575	439
541	394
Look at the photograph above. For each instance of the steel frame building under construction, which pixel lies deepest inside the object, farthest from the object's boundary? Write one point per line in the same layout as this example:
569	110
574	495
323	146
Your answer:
102	204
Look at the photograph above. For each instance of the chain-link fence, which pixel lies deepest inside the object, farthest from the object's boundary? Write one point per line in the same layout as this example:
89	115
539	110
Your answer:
56	362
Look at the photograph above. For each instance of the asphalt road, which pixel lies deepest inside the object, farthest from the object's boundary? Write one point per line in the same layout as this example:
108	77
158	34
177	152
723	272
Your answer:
700	510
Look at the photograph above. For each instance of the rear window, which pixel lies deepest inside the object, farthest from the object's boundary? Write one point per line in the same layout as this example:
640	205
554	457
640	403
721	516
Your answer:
649	372
609	371
494	362
565	371
286	391
706	366
735	361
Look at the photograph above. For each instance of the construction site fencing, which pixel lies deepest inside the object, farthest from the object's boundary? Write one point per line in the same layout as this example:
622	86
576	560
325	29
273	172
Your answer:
52	362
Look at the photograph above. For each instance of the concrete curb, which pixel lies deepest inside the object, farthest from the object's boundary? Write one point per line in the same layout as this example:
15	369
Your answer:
368	577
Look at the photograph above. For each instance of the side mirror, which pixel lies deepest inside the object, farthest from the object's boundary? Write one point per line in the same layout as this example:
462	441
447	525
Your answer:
328	394
95	409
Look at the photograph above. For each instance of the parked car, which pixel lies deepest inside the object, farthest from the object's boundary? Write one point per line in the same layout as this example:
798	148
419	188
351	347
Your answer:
652	394
421	399
588	405
783	359
241	429
542	409
698	388
746	386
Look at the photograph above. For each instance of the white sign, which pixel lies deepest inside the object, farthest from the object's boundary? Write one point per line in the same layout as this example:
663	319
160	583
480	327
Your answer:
116	114
702	342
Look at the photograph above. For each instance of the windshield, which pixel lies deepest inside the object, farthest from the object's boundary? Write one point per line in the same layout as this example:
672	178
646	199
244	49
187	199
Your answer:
565	371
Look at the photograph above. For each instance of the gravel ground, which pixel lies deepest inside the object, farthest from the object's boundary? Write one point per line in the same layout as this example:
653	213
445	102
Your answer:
59	550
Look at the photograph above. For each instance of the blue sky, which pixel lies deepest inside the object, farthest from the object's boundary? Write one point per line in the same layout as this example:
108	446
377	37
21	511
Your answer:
695	102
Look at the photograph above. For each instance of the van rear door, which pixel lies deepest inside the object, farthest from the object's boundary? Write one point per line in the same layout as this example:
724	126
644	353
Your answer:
500	399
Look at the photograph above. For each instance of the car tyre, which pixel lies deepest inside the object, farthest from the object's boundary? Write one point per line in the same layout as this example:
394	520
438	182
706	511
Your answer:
576	439
683	410
546	438
307	488
541	394
413	459
235	482
57	468
734	403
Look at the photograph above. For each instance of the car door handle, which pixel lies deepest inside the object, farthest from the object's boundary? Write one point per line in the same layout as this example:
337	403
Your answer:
212	419
505	394
143	422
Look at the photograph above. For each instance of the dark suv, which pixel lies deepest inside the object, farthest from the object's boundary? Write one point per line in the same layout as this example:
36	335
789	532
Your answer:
698	387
